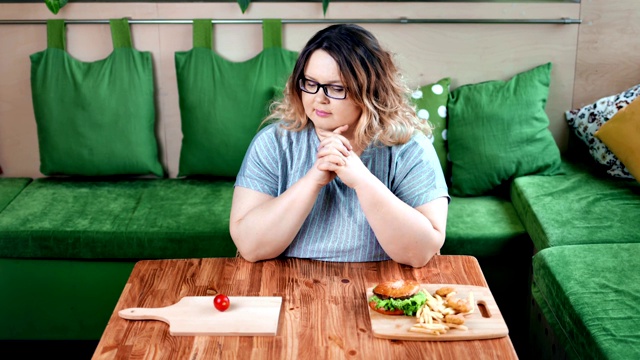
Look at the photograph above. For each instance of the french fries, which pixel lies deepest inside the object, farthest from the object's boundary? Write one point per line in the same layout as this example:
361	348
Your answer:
440	314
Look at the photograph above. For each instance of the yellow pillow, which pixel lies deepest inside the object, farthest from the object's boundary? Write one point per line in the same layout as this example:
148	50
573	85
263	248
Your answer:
621	134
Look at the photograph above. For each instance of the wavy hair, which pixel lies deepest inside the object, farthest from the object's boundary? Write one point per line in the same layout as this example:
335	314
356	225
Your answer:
371	79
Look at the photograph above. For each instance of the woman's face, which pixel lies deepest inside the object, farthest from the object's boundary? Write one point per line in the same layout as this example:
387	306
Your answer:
327	113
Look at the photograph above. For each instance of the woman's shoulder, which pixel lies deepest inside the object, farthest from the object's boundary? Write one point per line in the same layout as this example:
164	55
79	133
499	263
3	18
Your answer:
420	137
268	130
275	133
269	133
418	148
418	142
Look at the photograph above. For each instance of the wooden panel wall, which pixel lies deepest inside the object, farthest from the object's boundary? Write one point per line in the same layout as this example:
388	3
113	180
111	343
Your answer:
608	59
466	53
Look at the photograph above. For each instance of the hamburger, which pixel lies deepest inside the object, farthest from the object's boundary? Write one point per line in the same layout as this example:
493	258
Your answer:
399	297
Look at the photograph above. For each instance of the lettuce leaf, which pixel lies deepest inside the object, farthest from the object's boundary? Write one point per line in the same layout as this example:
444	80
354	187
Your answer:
410	306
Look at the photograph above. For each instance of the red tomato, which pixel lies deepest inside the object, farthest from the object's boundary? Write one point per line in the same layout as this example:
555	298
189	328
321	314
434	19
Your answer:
221	302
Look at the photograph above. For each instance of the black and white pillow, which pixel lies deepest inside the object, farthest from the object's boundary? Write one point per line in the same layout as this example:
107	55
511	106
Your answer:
587	120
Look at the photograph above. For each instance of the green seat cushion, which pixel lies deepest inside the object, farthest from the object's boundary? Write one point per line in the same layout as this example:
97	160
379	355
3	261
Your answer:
591	295
126	219
482	226
10	188
583	206
488	228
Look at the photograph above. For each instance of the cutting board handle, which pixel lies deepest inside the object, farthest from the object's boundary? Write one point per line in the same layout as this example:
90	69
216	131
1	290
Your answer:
143	314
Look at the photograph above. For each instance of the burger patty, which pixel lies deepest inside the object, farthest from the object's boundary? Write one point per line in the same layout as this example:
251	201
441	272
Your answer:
383	297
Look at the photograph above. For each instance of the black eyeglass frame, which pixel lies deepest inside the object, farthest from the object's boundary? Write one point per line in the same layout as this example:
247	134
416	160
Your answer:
302	80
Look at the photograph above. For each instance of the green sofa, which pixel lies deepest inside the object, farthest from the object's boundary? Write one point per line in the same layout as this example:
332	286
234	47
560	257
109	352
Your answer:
488	227
10	188
553	247
67	246
79	239
589	294
72	243
585	227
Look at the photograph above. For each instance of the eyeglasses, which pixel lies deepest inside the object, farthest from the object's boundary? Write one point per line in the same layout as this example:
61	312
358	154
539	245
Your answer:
336	92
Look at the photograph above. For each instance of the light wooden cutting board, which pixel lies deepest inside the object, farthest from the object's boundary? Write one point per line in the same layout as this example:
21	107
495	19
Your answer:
480	327
196	315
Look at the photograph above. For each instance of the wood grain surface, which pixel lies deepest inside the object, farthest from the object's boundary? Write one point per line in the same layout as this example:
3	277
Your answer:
485	324
324	315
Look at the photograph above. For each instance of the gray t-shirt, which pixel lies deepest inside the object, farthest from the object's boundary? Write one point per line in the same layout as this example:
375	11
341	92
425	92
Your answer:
336	228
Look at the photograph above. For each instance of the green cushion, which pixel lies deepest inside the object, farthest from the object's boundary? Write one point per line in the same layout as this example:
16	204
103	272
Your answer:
593	292
498	130
95	118
10	188
431	105
482	226
583	206
223	103
128	219
59	299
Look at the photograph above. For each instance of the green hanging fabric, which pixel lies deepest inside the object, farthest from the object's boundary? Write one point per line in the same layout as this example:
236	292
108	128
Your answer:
222	103
95	118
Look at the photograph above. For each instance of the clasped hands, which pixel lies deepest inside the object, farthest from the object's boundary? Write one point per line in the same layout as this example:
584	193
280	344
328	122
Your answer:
336	157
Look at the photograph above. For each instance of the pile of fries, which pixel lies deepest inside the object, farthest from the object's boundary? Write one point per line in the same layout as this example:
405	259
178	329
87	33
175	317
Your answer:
443	311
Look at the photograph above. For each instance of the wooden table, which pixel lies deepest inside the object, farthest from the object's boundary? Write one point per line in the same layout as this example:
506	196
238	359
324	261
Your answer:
324	314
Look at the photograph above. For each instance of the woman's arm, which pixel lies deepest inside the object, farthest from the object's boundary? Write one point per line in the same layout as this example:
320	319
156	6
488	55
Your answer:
263	226
408	235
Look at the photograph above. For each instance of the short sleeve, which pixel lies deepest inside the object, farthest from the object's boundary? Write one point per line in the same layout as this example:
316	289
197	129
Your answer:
418	177
259	169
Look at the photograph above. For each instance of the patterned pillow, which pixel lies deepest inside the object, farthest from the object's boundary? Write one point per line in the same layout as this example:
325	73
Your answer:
431	105
587	120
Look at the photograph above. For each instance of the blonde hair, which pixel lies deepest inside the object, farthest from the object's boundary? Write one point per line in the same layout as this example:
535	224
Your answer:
372	81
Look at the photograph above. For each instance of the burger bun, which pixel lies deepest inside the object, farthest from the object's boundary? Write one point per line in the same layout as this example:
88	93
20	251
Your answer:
397	289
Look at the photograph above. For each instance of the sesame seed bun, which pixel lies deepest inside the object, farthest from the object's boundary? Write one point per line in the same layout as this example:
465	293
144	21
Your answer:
398	289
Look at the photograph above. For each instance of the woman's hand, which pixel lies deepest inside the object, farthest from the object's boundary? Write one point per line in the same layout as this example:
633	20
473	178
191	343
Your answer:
336	156
353	172
333	151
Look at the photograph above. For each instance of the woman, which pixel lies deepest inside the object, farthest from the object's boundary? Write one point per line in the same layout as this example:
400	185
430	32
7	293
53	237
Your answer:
346	172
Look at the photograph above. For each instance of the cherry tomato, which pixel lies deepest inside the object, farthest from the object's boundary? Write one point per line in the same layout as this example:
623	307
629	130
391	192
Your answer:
221	302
